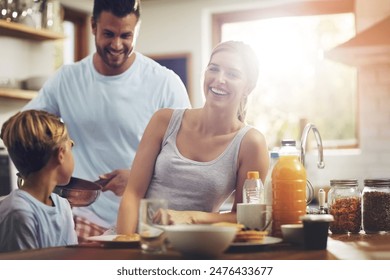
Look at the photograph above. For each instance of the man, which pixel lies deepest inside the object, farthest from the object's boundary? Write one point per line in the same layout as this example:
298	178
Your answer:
106	101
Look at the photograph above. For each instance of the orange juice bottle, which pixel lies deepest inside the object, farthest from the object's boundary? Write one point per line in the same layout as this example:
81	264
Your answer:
288	188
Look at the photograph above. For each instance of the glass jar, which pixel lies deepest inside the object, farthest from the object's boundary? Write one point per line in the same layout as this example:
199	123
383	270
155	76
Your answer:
376	205
344	203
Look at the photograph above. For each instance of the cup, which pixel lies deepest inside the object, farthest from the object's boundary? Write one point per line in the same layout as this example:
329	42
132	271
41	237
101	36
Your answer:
153	217
315	231
253	215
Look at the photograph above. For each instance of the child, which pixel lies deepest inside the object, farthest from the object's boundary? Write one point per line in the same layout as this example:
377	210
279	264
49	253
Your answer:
32	216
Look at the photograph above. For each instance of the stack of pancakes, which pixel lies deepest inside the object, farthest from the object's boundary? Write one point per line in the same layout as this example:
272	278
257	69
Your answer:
245	234
250	235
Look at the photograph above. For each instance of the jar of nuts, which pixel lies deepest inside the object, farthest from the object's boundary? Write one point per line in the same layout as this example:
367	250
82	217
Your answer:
376	205
344	203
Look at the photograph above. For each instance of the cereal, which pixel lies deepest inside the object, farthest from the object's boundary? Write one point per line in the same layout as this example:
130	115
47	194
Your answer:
347	215
376	211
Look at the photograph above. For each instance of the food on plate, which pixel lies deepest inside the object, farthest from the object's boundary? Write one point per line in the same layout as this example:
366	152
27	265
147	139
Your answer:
130	237
245	234
250	235
226	224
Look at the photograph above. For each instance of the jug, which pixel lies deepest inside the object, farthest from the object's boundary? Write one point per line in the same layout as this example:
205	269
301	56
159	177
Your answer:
289	183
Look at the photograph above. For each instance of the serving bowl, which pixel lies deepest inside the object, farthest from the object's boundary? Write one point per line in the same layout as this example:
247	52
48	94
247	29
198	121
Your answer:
293	233
200	240
79	192
35	83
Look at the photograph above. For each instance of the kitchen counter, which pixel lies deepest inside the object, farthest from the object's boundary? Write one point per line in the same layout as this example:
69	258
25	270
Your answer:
340	247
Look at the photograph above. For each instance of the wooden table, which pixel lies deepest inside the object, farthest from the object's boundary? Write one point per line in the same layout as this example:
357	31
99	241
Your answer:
347	247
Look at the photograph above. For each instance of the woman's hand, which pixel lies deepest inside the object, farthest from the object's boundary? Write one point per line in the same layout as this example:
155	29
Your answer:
198	217
180	217
115	181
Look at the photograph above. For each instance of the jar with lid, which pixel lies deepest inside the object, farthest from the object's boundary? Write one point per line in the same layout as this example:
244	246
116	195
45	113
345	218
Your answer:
344	203
376	205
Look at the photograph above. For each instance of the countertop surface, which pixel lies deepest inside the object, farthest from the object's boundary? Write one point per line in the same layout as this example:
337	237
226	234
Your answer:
343	246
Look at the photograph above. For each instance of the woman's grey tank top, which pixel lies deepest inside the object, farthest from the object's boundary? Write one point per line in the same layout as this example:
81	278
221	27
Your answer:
189	184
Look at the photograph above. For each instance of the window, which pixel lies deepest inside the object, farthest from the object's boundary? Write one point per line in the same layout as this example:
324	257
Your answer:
69	44
76	29
297	84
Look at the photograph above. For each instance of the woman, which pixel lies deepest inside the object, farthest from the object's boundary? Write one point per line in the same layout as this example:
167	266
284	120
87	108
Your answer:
196	158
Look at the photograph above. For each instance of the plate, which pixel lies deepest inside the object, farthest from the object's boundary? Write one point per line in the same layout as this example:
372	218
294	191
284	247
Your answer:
266	241
111	240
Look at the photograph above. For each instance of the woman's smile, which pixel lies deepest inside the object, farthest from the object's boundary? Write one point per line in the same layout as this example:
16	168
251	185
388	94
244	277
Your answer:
218	91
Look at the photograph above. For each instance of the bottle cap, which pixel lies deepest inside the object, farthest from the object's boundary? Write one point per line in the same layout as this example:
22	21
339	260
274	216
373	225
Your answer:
253	175
274	154
288	142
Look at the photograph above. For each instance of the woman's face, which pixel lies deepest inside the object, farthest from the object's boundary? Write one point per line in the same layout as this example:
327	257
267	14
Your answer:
225	79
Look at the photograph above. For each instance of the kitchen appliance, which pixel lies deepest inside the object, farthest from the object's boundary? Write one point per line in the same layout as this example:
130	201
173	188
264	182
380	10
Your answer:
5	173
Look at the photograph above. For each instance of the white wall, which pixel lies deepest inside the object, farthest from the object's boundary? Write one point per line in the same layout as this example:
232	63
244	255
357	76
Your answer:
183	26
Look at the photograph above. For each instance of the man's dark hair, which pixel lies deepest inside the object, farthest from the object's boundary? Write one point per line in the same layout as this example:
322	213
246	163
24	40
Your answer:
119	8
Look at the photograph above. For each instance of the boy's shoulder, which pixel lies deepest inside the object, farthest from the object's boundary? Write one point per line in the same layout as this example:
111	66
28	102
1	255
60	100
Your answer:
16	201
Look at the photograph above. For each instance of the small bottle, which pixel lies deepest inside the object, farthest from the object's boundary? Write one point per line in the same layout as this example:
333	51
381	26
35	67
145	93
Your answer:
321	202
253	190
344	203
288	188
376	205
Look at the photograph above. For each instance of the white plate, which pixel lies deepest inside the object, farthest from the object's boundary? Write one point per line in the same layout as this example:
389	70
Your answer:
267	241
110	239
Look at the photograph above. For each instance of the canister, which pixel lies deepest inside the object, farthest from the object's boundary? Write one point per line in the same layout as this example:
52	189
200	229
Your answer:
376	205
344	203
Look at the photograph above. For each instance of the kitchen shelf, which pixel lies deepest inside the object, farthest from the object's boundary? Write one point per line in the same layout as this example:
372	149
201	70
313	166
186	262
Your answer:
17	30
17	93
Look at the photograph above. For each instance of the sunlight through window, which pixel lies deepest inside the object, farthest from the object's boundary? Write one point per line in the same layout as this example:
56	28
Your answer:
297	84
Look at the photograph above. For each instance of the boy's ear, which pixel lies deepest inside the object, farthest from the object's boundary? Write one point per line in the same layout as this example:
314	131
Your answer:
60	154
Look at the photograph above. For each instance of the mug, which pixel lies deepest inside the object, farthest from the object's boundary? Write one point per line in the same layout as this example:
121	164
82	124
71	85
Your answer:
253	215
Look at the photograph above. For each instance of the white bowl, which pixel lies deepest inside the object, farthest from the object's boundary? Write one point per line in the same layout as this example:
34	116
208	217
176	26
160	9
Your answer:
35	83
200	240
293	233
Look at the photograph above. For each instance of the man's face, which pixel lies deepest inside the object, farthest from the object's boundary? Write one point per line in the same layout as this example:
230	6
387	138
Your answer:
115	40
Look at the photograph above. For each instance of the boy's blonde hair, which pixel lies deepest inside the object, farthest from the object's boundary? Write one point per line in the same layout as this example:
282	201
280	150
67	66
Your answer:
31	138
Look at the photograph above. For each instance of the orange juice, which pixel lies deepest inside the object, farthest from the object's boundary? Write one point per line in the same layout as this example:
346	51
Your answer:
288	192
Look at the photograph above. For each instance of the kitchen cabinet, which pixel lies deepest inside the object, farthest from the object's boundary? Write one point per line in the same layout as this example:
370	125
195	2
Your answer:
17	30
20	31
369	47
17	93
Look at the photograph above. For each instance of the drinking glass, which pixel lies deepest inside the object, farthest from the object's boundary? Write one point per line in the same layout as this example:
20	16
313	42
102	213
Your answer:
152	217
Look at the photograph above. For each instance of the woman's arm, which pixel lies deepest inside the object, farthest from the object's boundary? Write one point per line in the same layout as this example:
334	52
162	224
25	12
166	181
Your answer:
141	171
253	156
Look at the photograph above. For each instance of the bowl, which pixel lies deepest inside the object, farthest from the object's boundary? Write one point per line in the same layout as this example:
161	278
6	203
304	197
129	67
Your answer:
35	83
200	240
293	233
79	192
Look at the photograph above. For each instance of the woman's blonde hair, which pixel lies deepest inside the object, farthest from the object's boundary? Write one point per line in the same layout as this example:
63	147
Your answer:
251	67
31	138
